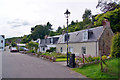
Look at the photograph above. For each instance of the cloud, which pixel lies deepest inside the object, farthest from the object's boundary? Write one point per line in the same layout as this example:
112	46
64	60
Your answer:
18	23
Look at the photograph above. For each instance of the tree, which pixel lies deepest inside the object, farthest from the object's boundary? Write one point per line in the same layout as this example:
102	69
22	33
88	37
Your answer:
115	48
107	5
112	16
26	39
49	25
52	33
72	23
39	31
13	44
32	45
58	30
87	14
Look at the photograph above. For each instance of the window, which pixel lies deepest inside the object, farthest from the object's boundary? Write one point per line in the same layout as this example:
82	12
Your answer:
71	49
51	40
85	35
83	50
43	49
1	41
61	49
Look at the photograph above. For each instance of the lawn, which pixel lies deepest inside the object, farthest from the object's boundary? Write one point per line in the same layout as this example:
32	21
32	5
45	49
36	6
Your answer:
94	71
61	59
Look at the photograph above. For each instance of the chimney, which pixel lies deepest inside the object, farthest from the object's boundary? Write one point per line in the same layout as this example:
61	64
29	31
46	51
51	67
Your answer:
46	36
63	32
106	23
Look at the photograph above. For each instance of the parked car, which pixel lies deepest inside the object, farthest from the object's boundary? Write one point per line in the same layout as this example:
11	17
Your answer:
23	49
13	49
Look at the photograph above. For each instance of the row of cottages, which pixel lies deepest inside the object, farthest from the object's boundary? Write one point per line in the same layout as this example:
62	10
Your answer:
91	41
47	43
2	42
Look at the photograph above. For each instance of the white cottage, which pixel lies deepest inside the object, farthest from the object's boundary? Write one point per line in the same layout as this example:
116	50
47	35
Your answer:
93	41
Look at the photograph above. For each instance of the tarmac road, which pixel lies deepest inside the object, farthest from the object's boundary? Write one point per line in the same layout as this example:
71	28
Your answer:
17	65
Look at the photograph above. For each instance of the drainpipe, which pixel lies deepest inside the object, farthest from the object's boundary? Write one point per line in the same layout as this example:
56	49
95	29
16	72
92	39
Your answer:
96	48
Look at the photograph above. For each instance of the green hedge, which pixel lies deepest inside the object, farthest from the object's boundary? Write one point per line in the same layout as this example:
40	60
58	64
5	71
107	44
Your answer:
115	48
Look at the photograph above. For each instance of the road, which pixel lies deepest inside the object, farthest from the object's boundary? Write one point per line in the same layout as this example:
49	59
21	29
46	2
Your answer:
17	65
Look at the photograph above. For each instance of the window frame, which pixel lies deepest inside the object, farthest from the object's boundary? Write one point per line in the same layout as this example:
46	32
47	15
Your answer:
83	50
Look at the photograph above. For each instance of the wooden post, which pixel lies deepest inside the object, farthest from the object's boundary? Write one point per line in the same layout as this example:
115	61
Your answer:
101	61
83	58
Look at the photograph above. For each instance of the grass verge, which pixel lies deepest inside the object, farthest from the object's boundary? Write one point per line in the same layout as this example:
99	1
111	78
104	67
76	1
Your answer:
94	71
61	59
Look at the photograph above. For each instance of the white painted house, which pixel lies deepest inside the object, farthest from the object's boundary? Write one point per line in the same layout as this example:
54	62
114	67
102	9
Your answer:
93	41
2	42
48	42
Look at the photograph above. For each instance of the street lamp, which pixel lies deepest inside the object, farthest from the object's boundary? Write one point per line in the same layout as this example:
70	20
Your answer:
67	14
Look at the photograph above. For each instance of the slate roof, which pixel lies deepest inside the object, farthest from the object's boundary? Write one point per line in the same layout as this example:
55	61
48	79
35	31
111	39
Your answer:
78	35
45	42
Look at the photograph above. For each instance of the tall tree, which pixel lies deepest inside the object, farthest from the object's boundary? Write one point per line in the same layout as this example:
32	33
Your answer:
49	25
59	28
39	31
107	5
87	14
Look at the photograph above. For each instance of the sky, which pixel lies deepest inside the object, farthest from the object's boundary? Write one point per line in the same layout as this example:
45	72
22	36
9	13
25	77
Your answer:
18	16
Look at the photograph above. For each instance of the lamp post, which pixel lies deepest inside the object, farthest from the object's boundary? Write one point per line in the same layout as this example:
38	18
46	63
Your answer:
67	14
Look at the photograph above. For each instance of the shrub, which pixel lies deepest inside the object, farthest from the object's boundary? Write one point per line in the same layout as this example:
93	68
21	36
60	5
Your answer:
52	49
13	44
61	56
31	51
115	48
96	58
110	56
90	59
104	57
21	49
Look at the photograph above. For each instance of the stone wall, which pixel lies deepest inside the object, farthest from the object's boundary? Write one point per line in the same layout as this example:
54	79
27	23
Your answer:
105	41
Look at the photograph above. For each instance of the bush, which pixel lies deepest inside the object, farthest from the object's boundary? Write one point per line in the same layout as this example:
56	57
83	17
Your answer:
13	44
104	57
90	59
21	49
79	59
52	49
38	54
96	58
31	51
115	48
62	56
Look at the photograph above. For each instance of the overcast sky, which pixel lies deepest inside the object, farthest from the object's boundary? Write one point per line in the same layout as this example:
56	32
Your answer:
18	16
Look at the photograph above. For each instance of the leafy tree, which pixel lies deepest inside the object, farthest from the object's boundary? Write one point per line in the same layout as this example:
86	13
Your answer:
32	46
87	14
107	5
39	31
52	33
72	23
112	16
58	30
13	44
49	25
115	48
26	39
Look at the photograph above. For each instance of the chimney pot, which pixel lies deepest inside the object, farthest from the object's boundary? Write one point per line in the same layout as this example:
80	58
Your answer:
106	23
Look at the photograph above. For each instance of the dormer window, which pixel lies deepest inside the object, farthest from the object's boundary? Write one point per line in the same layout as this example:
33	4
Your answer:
66	37
51	40
85	35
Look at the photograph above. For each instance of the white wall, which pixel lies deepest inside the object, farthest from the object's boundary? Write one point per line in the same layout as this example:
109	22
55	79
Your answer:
91	48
